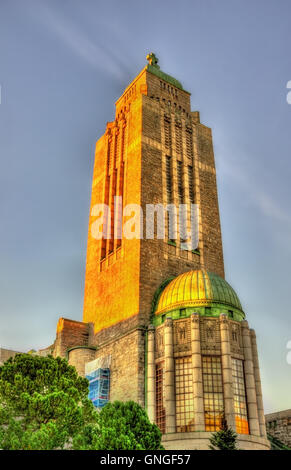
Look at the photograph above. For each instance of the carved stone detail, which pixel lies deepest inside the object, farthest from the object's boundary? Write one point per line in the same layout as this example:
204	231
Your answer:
182	335
159	342
210	335
235	338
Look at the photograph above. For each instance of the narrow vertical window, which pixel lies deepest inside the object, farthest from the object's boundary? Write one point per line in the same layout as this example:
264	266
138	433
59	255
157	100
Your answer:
189	143
160	410
169	186
185	420
239	395
167	129
180	182
213	394
169	190
190	184
178	139
181	198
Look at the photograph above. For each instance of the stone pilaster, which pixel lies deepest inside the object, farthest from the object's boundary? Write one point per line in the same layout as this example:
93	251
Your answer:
151	375
169	378
258	385
227	371
197	373
250	381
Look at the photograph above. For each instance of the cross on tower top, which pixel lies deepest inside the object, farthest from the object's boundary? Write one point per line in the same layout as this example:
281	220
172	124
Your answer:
152	59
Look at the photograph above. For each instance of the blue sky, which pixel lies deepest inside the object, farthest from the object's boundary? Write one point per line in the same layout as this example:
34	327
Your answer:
62	66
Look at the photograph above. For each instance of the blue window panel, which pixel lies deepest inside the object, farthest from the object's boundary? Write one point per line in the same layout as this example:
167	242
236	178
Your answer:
99	386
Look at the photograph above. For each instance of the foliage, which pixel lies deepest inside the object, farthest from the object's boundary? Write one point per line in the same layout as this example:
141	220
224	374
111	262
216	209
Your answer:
120	426
43	403
44	406
224	439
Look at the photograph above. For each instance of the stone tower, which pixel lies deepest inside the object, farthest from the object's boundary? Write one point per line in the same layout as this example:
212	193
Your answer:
159	318
156	151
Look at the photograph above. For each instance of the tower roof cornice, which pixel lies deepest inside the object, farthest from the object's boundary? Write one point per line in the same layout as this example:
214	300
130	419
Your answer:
154	68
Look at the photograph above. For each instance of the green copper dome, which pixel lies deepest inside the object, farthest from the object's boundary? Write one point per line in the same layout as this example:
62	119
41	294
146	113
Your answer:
202	291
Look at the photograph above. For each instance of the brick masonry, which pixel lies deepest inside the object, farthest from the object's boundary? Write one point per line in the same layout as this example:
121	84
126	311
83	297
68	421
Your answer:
70	333
79	356
279	425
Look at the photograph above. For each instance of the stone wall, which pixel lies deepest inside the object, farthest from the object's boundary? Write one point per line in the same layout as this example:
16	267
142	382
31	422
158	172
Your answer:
79	356
70	333
127	366
208	199
5	354
279	426
46	351
158	259
112	277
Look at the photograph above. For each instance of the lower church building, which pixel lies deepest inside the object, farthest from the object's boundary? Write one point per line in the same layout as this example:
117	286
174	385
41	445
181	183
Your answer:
161	325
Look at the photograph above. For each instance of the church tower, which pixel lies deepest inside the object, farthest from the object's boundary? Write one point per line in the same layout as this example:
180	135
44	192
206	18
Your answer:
156	151
161	325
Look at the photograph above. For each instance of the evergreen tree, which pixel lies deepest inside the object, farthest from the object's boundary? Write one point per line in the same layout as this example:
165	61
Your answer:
120	426
43	403
224	439
44	406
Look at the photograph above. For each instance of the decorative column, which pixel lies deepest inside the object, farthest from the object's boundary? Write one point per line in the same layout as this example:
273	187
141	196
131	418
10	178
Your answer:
227	371
197	373
250	381
258	385
151	375
170	404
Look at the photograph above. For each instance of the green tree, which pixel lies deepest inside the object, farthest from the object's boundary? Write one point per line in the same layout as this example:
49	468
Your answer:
120	426
43	403
224	439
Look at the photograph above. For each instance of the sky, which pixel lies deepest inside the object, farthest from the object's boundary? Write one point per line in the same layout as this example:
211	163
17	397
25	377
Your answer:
62	67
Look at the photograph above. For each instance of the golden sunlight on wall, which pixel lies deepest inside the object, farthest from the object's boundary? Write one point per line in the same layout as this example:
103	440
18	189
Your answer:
113	267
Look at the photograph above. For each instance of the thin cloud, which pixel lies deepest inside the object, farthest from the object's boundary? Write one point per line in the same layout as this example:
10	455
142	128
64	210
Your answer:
258	196
79	43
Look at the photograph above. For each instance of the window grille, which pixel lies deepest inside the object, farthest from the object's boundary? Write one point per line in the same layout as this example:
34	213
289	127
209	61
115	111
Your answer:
213	392
160	410
239	395
185	420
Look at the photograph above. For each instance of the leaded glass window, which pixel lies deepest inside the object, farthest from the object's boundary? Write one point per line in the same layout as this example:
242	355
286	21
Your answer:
184	395
239	395
213	392
160	410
